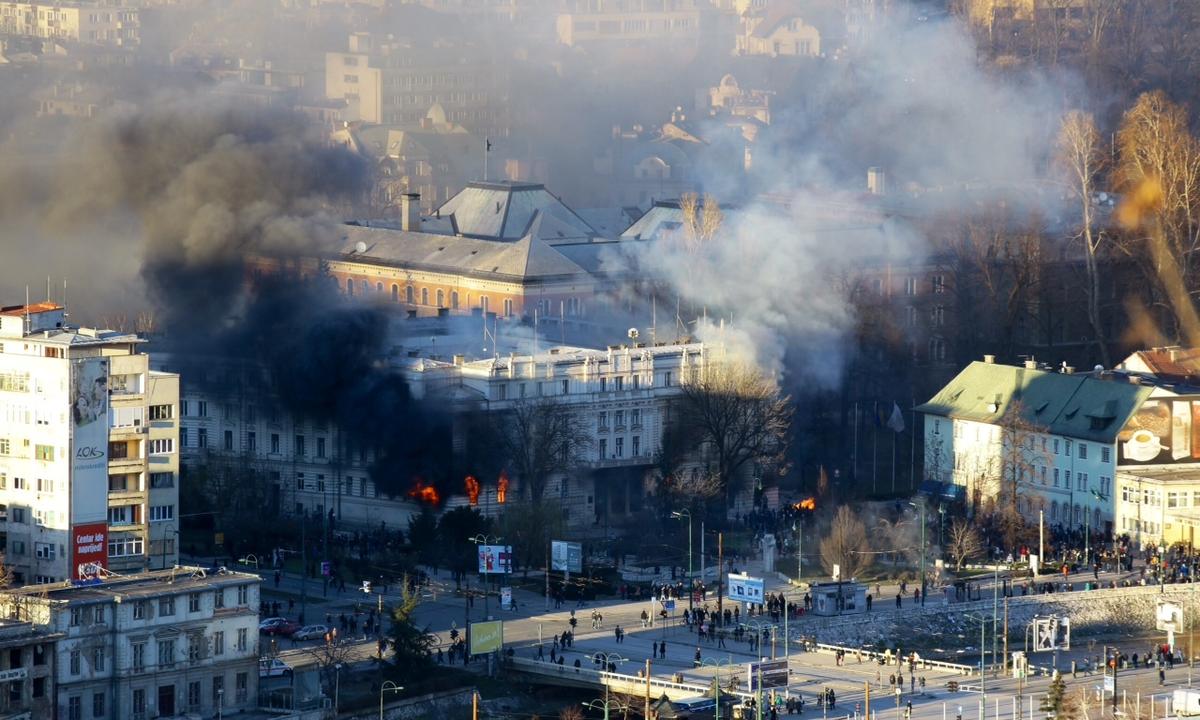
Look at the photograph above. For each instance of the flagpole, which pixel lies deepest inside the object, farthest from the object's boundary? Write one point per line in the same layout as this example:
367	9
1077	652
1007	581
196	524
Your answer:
912	451
854	451
894	434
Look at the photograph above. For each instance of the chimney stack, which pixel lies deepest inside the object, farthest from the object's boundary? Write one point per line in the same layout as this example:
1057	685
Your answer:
989	359
1031	365
410	212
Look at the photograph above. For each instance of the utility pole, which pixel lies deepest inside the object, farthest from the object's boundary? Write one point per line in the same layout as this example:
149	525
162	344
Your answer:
720	573
647	688
1005	666
702	576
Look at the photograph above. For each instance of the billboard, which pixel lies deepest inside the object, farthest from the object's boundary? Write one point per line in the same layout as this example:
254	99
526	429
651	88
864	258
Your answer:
566	556
745	588
495	559
774	673
89	550
487	637
1051	633
1163	431
89	440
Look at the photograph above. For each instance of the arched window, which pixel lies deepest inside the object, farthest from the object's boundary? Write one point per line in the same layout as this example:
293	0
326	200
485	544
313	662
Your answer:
395	292
379	287
1054	510
454	299
1095	518
409	295
349	286
441	298
366	286
424	296
507	307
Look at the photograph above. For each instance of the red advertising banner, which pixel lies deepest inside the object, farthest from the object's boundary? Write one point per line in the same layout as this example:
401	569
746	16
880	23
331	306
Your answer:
89	550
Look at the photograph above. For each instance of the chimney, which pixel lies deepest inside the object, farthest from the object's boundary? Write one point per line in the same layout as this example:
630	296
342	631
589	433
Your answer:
989	359
1031	365
1068	369
459	359
410	212
876	181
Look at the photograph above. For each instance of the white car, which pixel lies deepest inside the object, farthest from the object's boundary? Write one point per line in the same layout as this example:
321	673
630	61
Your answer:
272	667
310	632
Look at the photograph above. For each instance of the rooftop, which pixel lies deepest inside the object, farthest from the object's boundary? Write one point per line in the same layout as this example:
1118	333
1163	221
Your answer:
30	309
507	210
140	585
1068	404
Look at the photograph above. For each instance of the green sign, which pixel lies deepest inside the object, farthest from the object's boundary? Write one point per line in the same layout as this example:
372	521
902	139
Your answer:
487	637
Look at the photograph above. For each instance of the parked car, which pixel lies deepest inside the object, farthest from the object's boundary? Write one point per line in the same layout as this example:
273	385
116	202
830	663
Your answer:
310	632
272	667
278	626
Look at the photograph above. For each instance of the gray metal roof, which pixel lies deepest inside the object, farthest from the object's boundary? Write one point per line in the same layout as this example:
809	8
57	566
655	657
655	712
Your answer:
506	210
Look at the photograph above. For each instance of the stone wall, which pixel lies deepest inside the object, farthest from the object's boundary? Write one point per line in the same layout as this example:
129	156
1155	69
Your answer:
452	703
946	627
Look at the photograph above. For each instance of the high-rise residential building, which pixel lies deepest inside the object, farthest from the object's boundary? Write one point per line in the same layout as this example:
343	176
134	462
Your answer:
88	450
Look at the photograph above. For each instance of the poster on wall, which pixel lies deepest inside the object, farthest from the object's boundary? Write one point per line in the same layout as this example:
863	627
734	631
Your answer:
89	550
1163	431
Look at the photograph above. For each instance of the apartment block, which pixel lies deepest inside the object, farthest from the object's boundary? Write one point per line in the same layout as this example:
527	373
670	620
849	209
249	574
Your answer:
97	22
88	450
167	643
623	22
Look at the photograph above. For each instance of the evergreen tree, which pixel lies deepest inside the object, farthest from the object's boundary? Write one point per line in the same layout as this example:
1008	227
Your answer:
1055	696
412	644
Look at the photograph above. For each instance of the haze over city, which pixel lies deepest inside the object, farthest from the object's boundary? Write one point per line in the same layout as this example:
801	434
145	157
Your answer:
588	358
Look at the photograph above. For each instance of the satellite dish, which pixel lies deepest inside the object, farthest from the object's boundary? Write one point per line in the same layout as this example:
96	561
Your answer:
360	247
633	333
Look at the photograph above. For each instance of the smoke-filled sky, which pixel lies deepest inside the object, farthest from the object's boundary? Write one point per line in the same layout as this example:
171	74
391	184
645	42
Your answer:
152	207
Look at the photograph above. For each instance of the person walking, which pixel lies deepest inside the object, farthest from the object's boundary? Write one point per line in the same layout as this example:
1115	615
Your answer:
696	662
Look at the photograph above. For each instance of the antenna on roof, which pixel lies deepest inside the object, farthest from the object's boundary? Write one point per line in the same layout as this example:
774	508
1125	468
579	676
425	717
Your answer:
27	324
64	302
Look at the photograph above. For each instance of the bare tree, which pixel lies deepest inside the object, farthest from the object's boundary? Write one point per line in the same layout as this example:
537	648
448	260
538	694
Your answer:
740	416
1159	171
965	543
701	219
674	483
330	655
846	545
897	535
539	437
1082	160
1021	455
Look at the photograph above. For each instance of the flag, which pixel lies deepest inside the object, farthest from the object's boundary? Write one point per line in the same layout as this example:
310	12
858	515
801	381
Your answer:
896	421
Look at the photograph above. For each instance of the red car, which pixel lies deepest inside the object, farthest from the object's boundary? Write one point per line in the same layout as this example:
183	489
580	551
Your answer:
278	626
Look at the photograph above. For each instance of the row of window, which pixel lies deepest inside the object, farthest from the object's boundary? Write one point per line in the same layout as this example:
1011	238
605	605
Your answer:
618	417
299	445
166	706
439	298
604	384
618	448
1030	441
318	485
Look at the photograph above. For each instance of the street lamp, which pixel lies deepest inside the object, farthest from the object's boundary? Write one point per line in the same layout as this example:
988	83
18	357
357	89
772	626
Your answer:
941	523
337	686
603	705
983	620
677	514
758	628
921	508
250	559
607	659
484	539
717	665
1087	530
220	703
387	686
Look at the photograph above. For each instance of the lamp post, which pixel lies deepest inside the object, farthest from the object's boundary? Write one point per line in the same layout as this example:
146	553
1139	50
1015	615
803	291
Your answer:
608	659
983	619
604	705
337	686
941	523
717	665
387	686
220	704
921	507
484	539
677	514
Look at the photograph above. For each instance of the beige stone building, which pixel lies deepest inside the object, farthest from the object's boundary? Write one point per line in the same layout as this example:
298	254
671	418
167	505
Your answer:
95	22
623	22
778	29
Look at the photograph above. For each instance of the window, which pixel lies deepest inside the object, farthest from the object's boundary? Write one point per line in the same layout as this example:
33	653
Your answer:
1106	454
194	602
121	515
1055	446
566	386
483	303
603	384
274	443
139	702
159	513
667	379
44	452
620	383
161	412
441	298
162	446
620	447
219	643
75	662
454	299
194	642
166	653
183	438
350	286
74	708
193	696
603	448
910	286
409	295
619	420
1055	477
139	610
219	598
243	595
938	316
300	446
602	422
320	447
242	686
242	642
424	296
637	445
251	442
166	606
508	307
44	551
229	440
635	419
161	480
98	659
202	437
938	283
937	349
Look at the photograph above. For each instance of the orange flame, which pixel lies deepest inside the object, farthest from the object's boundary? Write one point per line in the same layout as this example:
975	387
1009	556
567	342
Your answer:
472	489
425	493
502	488
806	504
